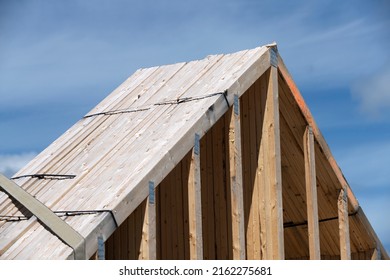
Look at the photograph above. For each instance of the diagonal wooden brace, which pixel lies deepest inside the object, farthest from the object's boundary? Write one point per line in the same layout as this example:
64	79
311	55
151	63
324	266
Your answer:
55	224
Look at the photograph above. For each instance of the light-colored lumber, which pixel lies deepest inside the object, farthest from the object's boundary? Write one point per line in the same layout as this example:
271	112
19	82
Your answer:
270	170
345	246
311	195
236	183
194	203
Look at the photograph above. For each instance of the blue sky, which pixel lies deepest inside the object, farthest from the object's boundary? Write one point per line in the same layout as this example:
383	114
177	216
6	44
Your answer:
58	59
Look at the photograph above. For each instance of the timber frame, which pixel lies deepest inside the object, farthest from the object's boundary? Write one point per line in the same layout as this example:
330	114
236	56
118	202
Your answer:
212	159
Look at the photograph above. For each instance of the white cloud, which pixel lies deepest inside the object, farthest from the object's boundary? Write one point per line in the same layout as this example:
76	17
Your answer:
10	164
374	92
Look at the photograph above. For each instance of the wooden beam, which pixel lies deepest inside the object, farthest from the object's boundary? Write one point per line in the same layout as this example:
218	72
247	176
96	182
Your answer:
194	204
271	173
345	246
236	183
311	195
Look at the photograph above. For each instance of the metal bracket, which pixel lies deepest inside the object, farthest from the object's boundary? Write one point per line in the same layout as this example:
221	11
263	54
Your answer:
236	105
101	249
197	144
151	192
273	57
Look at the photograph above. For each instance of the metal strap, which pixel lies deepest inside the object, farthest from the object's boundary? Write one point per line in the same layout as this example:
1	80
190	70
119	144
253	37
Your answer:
236	106
197	144
55	224
101	249
151	192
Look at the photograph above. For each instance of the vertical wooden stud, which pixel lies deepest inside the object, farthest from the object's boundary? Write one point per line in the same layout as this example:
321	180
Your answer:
311	195
236	183
345	246
194	203
271	174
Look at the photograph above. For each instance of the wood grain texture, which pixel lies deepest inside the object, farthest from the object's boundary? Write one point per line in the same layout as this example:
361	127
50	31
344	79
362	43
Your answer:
311	195
345	246
194	203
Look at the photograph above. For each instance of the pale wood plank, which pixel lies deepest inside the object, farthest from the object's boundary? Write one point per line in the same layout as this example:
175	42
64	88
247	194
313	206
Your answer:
194	204
311	195
345	246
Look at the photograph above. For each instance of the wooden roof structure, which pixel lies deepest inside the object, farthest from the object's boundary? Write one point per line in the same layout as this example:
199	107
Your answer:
218	158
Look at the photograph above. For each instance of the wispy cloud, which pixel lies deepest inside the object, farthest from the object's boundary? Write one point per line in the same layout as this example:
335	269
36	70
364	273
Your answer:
10	164
373	92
